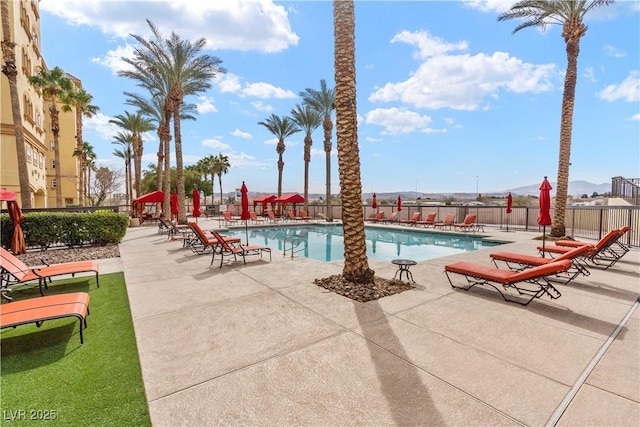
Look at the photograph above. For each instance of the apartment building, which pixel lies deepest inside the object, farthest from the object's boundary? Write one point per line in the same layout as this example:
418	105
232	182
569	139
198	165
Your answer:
24	23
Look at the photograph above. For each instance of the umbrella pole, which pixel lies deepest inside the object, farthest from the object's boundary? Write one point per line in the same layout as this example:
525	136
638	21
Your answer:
246	231
544	228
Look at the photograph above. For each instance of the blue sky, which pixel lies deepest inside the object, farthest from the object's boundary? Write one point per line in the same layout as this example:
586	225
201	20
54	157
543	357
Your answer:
448	99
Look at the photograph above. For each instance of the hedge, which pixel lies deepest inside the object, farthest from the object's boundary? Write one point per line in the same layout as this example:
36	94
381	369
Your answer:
45	229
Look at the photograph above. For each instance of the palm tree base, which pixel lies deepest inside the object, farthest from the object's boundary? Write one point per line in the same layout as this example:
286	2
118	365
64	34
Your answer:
363	292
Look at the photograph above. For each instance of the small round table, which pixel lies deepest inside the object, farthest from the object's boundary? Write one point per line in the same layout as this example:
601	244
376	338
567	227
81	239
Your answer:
403	267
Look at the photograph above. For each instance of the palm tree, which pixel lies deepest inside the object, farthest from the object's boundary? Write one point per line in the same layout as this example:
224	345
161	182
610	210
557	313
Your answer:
125	139
86	148
220	166
90	164
570	14
308	119
356	266
136	125
53	84
204	167
282	128
323	101
179	69
10	70
80	99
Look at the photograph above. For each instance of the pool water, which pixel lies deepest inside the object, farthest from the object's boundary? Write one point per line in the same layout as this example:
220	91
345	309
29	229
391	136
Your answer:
325	242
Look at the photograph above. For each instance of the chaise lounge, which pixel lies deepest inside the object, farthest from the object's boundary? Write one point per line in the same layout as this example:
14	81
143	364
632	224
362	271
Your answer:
429	220
41	309
14	271
532	283
225	249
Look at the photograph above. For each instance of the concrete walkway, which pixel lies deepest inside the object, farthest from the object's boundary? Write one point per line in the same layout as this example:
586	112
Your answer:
260	344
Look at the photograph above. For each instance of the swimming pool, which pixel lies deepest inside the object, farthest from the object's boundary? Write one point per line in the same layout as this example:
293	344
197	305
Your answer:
325	242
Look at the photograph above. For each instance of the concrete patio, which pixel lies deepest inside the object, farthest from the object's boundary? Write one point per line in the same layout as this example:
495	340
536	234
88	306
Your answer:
260	344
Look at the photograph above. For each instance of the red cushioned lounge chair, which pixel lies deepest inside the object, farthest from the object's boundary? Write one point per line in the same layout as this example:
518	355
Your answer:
532	282
225	249
429	220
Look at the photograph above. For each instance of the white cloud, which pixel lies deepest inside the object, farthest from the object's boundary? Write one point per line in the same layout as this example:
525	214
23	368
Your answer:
589	75
99	123
243	25
614	52
490	5
240	134
319	152
462	82
628	90
635	117
216	144
266	90
260	106
228	82
113	58
397	121
205	106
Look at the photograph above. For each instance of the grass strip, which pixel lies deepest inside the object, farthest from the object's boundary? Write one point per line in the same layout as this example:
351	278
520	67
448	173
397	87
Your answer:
46	374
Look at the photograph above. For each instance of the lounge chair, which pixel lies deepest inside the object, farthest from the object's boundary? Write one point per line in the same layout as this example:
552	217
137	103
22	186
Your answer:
292	216
272	217
225	249
201	243
532	283
448	222
303	216
411	221
618	248
468	224
429	220
41	309
601	254
393	217
16	272
164	226
228	220
376	217
519	262
254	217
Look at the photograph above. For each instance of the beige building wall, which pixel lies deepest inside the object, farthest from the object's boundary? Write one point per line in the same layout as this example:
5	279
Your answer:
24	22
24	19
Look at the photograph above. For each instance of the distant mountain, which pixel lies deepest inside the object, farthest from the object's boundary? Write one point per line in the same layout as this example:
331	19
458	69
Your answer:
576	188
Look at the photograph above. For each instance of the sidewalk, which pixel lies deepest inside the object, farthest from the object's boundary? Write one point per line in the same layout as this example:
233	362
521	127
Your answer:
260	344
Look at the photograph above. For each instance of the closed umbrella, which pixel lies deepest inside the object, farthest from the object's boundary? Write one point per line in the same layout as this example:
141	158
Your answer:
544	202
196	204
374	204
244	213
173	201
15	214
509	204
399	204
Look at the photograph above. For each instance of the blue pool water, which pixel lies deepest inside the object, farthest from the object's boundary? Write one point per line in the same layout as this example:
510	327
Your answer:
325	242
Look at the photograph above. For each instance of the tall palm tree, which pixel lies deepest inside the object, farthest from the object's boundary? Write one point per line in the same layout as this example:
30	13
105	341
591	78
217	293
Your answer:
282	128
204	167
53	84
356	265
220	166
323	101
10	70
126	140
87	149
570	14
80	99
182	70
136	125
90	164
308	119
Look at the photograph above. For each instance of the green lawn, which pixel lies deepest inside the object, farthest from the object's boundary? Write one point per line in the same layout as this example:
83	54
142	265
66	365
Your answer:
47	374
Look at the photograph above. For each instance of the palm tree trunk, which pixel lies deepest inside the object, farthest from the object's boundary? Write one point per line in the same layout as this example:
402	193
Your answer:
220	183
159	165
80	155
566	127
307	159
182	212
166	205
9	69
55	128
356	267
328	128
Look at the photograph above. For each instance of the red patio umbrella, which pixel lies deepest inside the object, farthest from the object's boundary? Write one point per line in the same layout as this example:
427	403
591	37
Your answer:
17	239
509	204
244	213
544	217
196	204
399	204
374	204
173	201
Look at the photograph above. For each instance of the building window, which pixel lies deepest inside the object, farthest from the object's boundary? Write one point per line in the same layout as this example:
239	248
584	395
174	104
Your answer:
29	153
53	183
53	164
42	161
53	145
